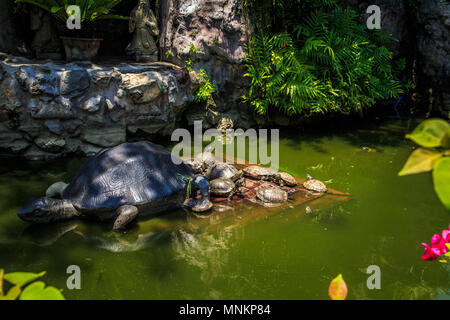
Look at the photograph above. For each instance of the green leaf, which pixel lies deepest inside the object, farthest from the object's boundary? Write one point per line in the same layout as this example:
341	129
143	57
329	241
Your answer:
55	9
421	160
431	133
338	289
37	291
22	278
12	294
441	178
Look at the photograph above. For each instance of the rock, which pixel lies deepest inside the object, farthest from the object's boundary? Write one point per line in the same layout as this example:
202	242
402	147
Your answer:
74	81
202	23
38	80
50	144
35	154
148	128
93	104
48	109
103	78
105	137
53	126
89	150
143	87
33	130
109	104
9	97
19	145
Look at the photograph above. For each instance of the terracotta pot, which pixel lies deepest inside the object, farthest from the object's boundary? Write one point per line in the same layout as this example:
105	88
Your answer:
81	48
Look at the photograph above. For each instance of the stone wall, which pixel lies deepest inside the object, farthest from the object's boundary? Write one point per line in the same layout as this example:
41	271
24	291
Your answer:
217	30
48	110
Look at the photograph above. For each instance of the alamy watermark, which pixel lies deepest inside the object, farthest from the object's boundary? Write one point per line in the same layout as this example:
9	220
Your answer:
74	280
374	20
235	146
374	280
74	20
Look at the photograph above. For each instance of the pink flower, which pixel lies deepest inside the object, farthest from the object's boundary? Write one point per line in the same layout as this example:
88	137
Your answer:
446	235
430	253
439	244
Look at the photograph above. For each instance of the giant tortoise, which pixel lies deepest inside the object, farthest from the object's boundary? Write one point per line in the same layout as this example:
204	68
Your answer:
121	183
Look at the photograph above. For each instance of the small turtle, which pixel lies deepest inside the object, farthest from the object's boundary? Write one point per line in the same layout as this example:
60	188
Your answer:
284	179
314	185
225	187
206	159
272	195
223	170
221	187
261	173
309	210
195	164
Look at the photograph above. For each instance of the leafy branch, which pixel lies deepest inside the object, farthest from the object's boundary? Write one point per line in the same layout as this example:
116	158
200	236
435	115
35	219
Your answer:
434	155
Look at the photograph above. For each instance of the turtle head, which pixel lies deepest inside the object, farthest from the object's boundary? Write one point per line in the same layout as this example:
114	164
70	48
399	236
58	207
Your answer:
309	177
44	210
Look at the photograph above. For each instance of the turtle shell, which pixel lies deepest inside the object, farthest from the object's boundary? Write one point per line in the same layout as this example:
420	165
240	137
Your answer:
221	186
221	170
129	174
288	179
272	195
315	186
258	172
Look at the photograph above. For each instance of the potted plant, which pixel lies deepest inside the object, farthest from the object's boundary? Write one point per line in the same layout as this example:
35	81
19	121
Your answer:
78	43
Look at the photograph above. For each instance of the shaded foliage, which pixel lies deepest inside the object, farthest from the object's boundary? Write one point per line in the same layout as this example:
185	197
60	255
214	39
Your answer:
317	57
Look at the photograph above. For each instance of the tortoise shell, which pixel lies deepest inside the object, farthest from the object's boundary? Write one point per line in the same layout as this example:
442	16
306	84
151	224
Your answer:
272	195
221	186
129	174
222	170
315	186
288	179
259	172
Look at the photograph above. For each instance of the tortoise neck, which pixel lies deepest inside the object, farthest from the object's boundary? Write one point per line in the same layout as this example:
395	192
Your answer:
64	210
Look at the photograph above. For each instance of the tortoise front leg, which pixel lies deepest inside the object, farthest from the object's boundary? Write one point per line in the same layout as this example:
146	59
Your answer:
125	215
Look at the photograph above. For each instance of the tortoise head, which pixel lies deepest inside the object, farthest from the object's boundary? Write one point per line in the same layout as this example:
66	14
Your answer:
44	210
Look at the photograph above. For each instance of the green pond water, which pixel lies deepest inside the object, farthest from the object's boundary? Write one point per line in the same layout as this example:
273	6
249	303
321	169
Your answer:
285	255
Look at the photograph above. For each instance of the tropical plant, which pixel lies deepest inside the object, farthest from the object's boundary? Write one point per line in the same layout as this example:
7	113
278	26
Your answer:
314	56
91	10
23	286
206	88
434	155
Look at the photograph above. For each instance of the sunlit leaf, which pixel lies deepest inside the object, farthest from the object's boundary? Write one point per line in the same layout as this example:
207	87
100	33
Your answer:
38	291
338	288
22	278
431	133
421	160
441	178
12	294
